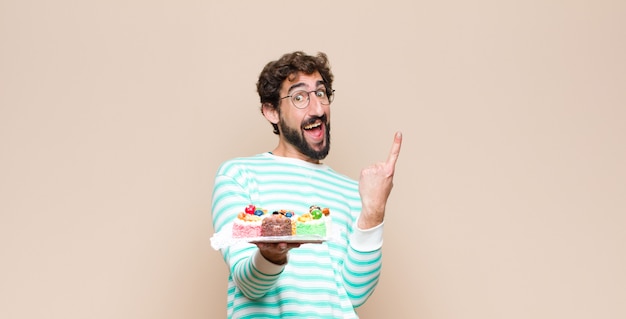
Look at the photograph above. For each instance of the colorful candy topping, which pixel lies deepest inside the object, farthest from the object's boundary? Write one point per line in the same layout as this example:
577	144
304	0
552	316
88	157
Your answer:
305	217
248	217
284	212
316	214
250	209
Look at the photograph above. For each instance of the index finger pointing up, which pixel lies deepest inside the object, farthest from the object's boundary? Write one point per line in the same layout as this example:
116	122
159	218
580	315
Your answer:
395	149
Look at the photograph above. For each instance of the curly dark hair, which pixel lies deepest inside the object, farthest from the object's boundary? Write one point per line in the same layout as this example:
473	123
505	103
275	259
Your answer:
275	72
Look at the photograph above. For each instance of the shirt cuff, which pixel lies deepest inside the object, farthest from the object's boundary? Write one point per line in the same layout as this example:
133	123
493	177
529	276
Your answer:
265	266
367	239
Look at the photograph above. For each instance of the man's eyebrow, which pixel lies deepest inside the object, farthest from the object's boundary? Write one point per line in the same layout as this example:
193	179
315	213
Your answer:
298	85
295	86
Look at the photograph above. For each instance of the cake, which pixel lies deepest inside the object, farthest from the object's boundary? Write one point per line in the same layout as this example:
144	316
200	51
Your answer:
248	223
276	225
315	222
291	215
255	222
246	226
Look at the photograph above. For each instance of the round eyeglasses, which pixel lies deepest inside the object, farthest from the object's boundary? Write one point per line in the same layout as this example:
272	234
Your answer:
301	98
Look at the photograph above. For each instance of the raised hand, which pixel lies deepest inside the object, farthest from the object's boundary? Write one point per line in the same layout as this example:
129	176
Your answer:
375	184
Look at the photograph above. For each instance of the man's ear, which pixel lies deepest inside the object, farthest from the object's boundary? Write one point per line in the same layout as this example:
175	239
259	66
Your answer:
270	113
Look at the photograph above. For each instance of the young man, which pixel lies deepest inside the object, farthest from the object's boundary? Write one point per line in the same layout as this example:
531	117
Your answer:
281	280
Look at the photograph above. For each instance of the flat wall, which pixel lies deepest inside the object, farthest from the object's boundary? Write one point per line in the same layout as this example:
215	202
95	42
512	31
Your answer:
509	198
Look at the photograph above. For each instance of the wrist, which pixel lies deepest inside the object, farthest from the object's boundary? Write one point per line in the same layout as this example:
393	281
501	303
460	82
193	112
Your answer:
369	219
266	266
363	223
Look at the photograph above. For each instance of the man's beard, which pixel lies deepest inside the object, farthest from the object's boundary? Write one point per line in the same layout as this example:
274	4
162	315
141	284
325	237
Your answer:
295	138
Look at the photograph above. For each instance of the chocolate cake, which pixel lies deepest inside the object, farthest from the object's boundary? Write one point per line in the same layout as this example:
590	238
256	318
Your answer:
276	225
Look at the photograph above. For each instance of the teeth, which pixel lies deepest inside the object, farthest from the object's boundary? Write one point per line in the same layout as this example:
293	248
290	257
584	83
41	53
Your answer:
310	126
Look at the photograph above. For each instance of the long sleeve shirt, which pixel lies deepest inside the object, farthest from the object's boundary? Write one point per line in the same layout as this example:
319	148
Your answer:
327	280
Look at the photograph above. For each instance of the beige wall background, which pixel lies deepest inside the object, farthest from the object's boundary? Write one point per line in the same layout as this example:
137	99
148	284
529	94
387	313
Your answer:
510	194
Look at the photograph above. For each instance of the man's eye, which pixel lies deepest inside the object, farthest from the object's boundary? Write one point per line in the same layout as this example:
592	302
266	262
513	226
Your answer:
298	97
320	93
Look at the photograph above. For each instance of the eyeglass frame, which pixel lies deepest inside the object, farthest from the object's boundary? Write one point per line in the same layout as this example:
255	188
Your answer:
330	97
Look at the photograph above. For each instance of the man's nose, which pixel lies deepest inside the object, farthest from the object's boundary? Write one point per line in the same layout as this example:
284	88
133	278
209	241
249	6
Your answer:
315	104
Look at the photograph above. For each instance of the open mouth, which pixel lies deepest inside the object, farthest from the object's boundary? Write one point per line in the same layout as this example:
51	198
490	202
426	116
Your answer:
315	129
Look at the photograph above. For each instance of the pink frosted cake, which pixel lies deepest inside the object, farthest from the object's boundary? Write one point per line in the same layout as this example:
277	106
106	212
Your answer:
246	226
248	222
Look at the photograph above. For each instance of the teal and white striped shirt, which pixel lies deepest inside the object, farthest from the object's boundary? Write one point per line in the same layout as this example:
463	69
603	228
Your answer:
327	280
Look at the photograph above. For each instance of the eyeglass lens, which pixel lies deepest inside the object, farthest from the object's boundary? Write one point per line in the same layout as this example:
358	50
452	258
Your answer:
301	98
